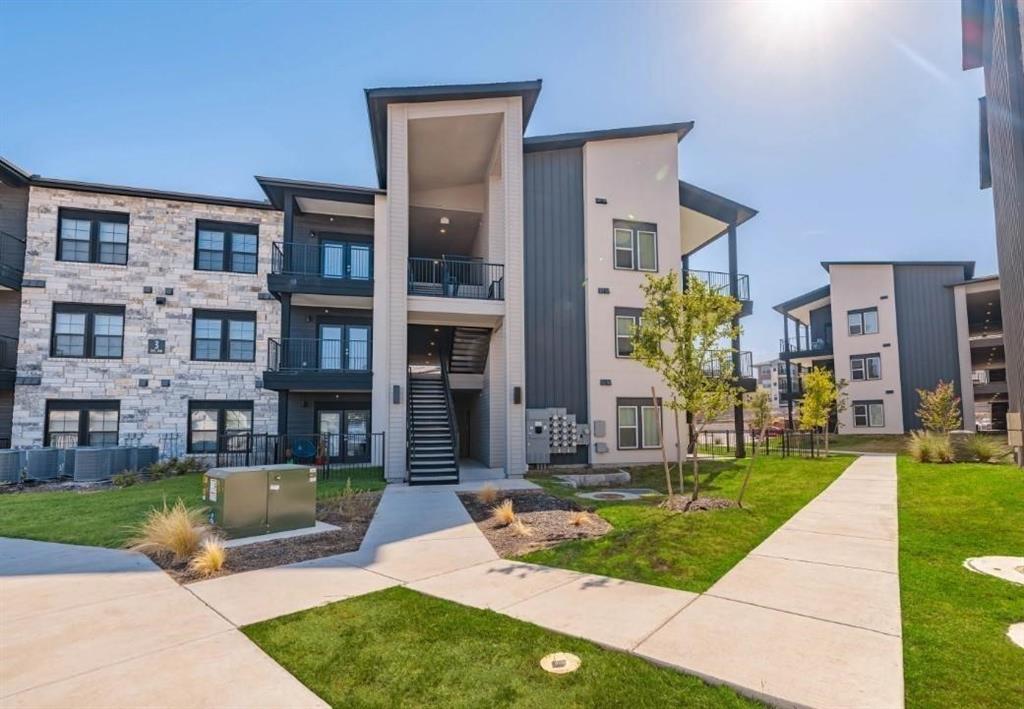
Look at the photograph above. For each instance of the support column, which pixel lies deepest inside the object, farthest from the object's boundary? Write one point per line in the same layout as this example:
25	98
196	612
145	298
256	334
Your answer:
786	363
734	291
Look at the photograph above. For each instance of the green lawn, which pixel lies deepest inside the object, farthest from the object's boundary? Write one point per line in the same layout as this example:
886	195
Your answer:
401	648
867	443
692	551
104	517
955	648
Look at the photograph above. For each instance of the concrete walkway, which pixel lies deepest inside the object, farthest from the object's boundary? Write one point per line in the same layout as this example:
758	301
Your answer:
90	627
811	617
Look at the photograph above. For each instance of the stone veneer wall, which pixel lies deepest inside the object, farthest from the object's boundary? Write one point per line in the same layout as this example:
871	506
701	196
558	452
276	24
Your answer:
161	248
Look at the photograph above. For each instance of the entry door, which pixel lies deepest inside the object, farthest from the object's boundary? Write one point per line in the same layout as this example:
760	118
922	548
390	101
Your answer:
357	436
357	347
331	343
328	425
359	261
332	259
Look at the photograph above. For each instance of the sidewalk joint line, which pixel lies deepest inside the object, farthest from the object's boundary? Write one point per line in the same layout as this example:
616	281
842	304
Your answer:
804	615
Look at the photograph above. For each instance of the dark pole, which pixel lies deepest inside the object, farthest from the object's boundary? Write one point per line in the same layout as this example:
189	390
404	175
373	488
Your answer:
691	444
789	376
734	291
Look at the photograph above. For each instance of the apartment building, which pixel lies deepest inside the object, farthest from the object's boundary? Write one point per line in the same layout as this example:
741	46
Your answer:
772	378
479	297
889	329
982	354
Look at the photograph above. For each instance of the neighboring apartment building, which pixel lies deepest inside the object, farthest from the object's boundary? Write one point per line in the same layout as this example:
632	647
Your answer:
982	354
488	277
993	37
772	377
889	329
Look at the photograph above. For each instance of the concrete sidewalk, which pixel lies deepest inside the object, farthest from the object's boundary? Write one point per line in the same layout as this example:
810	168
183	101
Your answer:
90	627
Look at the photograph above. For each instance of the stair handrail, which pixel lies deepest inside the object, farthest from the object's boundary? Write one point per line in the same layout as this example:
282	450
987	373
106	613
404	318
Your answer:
410	440
453	426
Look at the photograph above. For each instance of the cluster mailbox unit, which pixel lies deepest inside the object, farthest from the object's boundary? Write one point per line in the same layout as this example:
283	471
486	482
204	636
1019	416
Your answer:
261	499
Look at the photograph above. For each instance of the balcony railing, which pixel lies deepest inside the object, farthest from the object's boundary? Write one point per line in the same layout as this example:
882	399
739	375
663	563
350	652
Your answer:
719	282
746	370
805	344
456	278
330	259
317	355
12	257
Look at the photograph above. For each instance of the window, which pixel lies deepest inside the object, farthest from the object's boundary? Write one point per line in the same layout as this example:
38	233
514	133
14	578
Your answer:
87	331
862	322
868	414
219	425
864	367
638	423
222	246
223	336
636	246
92	237
81	423
626	319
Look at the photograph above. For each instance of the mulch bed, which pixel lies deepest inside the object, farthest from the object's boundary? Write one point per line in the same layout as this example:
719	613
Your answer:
548	519
683	503
353	523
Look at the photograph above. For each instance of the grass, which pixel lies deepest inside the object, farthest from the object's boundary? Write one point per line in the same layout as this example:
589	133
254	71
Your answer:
692	551
955	648
867	443
104	518
400	648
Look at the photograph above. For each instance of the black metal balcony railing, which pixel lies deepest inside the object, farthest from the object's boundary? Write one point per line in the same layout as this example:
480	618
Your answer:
331	260
805	343
12	256
746	369
456	278
317	355
719	281
8	352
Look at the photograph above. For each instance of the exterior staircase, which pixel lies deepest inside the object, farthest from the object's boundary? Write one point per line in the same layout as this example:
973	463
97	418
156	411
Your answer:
469	350
433	438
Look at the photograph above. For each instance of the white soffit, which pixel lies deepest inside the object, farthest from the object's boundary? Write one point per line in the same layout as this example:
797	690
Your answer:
310	205
696	229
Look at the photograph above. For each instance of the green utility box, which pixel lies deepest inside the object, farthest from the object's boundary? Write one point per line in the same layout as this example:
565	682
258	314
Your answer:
262	499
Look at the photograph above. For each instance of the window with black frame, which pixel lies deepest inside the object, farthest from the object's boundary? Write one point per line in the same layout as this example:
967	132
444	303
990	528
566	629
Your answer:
868	414
223	336
865	367
87	331
626	322
219	425
71	423
635	246
224	246
862	322
638	423
92	237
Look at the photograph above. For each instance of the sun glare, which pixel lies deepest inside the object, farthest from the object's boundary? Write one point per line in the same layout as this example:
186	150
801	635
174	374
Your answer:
793	25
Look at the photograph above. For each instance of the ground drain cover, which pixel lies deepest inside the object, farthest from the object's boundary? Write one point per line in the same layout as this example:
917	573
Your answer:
617	495
560	663
1008	568
1016	633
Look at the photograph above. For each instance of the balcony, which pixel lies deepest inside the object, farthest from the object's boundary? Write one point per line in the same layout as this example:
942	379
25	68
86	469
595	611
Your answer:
328	268
804	346
303	364
745	374
456	278
8	361
12	261
719	281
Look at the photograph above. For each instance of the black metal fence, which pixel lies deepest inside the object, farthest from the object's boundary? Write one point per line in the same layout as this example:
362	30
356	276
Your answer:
746	370
456	278
720	281
330	453
314	355
722	444
334	259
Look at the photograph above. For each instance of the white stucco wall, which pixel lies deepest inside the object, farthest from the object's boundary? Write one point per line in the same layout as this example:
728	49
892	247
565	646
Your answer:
855	287
638	177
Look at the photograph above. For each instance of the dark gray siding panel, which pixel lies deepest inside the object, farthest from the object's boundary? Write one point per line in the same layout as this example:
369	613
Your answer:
302	407
6	416
13	210
10	312
821	324
555	305
926	329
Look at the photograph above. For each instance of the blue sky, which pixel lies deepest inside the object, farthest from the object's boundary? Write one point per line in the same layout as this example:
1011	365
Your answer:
849	125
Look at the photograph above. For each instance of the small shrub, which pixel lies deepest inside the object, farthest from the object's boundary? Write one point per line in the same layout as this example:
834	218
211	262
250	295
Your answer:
520	529
488	494
579	519
156	471
189	466
209	559
172	531
503	514
356	504
125	478
985	449
929	447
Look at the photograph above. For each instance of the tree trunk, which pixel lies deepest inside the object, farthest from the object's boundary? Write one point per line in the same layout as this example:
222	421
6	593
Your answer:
826	440
679	454
696	472
750	467
661	437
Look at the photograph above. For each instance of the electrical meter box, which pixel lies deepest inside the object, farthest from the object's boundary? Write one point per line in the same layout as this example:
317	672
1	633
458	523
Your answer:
261	499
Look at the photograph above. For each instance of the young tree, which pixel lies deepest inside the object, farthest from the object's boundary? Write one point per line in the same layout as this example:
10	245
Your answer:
940	408
759	404
822	396
679	337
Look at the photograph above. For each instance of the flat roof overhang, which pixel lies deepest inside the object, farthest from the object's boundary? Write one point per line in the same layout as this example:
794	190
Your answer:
11	174
705	216
562	141
378	100
800	307
320	197
968	266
